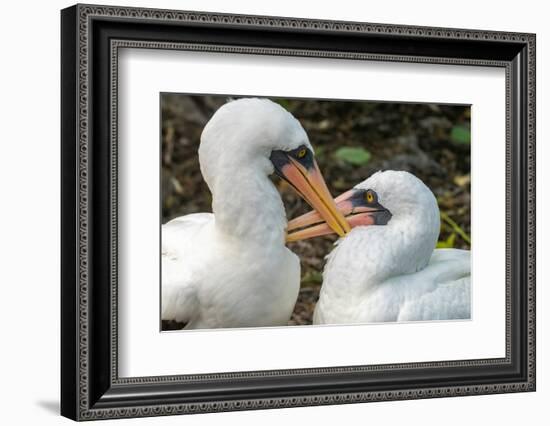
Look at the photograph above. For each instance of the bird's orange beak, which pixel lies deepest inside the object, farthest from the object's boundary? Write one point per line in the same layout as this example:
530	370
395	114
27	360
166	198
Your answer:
310	185
311	224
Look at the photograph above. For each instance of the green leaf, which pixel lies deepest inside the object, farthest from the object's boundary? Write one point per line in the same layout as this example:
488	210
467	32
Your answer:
283	102
448	243
460	135
287	104
353	155
312	277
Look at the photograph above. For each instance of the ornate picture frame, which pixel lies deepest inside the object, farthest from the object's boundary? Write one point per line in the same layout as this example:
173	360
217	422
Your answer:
91	37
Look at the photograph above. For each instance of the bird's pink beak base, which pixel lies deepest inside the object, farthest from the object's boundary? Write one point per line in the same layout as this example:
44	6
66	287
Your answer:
311	224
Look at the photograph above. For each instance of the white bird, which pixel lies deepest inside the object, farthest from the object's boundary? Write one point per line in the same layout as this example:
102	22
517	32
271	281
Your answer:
391	272
231	268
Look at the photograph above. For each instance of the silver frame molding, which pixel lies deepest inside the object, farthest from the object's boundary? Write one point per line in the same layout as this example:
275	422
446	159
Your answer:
91	389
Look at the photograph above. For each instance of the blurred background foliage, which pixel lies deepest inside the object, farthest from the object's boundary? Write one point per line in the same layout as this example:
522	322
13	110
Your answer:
352	140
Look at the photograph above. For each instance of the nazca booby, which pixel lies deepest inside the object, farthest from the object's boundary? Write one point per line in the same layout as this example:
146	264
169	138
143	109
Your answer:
230	268
391	272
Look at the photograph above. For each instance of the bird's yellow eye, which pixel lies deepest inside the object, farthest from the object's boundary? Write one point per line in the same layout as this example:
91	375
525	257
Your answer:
369	196
302	153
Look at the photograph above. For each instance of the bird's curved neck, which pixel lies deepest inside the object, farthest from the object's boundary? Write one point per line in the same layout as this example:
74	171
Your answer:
248	206
398	248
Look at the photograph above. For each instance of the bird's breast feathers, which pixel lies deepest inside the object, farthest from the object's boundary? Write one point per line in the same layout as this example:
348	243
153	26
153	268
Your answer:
212	281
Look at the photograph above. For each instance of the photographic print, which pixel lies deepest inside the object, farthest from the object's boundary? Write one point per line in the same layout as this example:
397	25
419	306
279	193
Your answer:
292	212
347	208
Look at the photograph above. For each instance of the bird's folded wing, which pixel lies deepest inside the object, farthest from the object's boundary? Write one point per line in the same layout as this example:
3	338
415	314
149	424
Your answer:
441	291
178	293
450	301
178	235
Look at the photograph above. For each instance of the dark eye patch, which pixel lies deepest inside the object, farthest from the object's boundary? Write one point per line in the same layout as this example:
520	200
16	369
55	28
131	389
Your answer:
303	155
370	196
359	197
282	158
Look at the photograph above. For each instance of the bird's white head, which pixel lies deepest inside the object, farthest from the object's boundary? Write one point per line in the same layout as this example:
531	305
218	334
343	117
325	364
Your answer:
396	199
405	244
410	201
243	133
248	139
415	213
